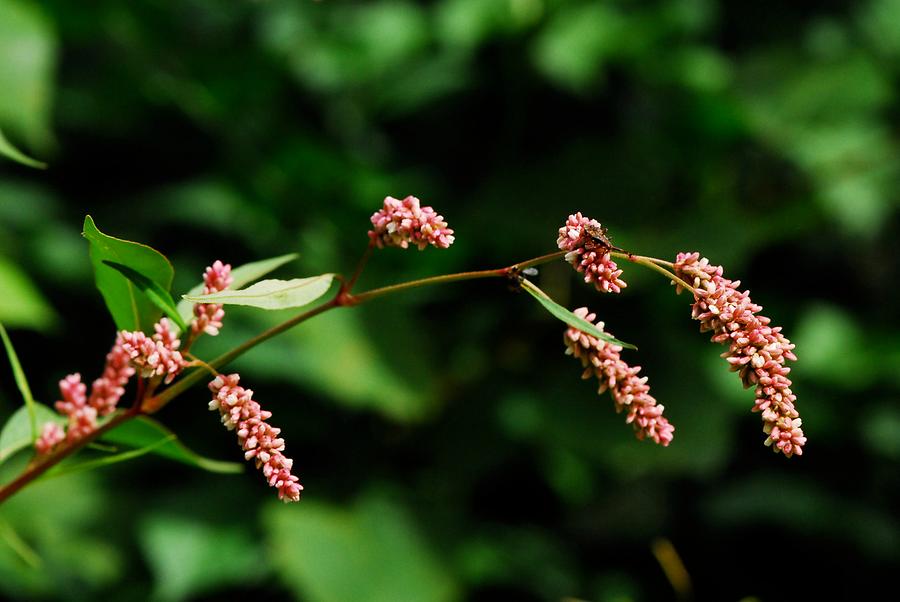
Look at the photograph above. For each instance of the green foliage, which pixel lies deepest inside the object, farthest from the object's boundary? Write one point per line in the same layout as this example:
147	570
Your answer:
21	304
61	521
159	296
333	356
28	45
371	551
271	294
190	557
17	433
130	309
564	315
11	152
146	433
21	383
240	276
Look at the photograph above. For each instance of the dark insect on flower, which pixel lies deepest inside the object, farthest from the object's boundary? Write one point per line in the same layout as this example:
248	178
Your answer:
599	237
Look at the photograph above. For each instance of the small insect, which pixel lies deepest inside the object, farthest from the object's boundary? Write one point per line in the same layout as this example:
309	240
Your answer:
517	275
599	237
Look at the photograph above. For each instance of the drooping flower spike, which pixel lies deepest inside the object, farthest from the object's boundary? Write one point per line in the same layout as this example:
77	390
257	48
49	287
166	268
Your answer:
630	392
756	350
404	223
587	249
258	439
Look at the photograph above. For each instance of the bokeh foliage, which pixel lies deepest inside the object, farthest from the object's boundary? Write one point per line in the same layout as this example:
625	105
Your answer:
448	448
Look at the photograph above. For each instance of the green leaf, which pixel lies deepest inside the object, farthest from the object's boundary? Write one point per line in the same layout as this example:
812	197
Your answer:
272	294
16	433
11	152
374	551
189	557
75	467
157	294
28	46
19	546
21	381
21	304
561	313
240	276
145	432
130	309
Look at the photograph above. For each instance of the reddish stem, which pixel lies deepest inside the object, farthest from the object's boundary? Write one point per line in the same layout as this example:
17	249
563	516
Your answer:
44	463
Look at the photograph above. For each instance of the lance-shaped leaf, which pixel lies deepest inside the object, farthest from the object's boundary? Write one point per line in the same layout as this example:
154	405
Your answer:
144	433
240	276
561	313
11	152
21	382
16	433
81	466
157	294
130	308
272	294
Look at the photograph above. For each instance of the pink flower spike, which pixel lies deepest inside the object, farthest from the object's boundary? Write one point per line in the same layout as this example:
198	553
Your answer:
208	316
107	390
72	391
258	439
82	417
51	435
587	249
154	356
401	223
630	392
756	350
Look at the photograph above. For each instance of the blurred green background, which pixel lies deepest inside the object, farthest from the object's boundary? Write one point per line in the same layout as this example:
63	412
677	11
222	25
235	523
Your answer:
448	448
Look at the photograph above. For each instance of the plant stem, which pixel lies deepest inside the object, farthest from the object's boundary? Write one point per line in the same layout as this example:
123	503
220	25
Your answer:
148	405
394	288
45	463
495	273
538	260
153	404
348	286
652	263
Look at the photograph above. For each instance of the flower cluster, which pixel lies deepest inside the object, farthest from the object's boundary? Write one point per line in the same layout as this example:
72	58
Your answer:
257	438
154	356
74	404
630	392
756	350
587	249
208	316
82	411
402	223
157	355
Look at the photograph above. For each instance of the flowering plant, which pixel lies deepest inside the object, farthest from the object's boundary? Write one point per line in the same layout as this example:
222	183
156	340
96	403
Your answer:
152	351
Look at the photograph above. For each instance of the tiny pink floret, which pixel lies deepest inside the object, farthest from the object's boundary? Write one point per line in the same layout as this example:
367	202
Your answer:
630	392
756	351
51	435
404	223
208	316
588	256
259	440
